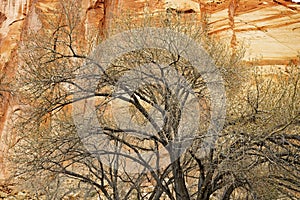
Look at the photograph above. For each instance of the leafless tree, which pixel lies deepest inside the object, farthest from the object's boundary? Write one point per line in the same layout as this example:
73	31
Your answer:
148	154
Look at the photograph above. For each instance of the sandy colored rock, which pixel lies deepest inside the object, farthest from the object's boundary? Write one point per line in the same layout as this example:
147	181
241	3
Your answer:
3	194
182	6
269	29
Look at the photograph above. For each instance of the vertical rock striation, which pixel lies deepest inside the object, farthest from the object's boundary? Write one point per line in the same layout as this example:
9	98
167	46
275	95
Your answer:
12	16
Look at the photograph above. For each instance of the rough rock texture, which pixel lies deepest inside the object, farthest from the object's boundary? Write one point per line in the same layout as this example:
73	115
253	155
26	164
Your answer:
182	6
270	30
12	15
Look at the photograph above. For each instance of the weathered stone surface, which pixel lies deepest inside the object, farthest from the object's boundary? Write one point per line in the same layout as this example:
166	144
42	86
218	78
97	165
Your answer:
3	194
182	6
270	30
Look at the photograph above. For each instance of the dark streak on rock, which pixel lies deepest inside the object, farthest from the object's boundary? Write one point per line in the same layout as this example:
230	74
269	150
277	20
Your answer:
16	21
2	18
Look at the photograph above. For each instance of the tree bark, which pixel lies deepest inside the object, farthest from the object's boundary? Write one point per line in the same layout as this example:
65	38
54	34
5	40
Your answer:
179	182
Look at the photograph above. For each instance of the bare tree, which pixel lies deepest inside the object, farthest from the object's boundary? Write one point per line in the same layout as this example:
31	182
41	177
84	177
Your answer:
143	124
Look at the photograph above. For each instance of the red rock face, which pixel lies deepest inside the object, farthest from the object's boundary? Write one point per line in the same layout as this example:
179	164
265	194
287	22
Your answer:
270	29
11	20
2	18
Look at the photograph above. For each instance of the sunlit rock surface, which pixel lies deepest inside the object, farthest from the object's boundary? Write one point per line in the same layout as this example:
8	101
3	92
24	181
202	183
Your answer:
269	29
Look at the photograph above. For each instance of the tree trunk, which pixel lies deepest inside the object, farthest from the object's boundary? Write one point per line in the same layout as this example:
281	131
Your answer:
179	182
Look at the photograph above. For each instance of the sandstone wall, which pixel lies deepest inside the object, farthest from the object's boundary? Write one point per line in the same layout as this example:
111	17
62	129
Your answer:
270	30
12	17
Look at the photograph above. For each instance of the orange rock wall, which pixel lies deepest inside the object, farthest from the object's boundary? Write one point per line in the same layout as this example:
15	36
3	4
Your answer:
270	28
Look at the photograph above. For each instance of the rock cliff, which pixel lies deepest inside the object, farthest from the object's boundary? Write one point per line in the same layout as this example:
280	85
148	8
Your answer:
269	29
